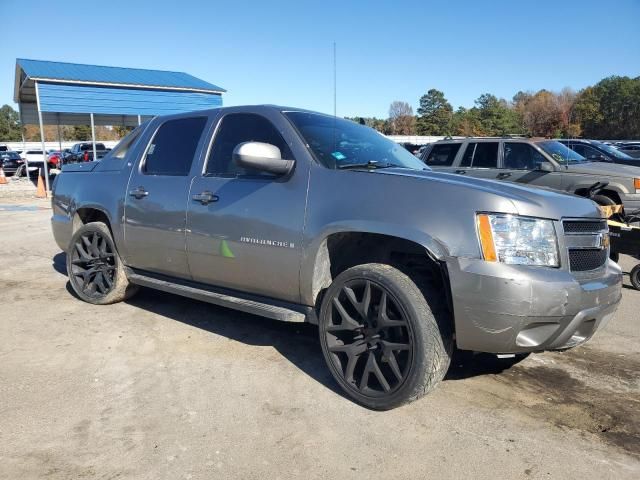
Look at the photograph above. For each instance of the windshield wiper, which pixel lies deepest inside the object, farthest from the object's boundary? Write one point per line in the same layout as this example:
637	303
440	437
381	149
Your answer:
372	164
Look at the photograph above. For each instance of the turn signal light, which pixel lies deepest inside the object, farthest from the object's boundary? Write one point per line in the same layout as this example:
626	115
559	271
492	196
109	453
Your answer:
636	183
486	238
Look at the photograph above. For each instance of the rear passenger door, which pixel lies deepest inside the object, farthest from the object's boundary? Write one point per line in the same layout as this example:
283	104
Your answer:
521	164
441	156
157	197
480	160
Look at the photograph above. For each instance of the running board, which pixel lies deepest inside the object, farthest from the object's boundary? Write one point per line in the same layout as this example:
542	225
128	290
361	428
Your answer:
295	313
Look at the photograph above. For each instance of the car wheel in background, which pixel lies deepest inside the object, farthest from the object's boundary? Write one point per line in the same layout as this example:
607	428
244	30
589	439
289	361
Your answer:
95	270
603	200
380	337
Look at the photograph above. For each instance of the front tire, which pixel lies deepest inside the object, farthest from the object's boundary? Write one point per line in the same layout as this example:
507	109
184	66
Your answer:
634	277
380	337
95	270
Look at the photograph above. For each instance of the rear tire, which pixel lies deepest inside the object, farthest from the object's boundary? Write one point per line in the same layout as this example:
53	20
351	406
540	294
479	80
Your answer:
384	343
95	270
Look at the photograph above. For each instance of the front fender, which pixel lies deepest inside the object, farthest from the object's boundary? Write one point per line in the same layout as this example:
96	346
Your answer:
316	253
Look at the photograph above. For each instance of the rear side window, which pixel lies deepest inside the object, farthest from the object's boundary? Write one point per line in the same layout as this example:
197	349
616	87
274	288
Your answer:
237	128
521	156
173	146
443	155
124	145
480	155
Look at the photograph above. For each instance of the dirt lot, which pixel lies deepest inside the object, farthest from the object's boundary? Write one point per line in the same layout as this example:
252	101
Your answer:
165	387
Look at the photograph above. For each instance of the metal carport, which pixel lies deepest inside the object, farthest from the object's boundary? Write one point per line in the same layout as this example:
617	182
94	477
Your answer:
58	93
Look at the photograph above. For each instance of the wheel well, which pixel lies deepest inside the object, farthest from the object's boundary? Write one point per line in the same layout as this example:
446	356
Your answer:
88	215
612	194
344	250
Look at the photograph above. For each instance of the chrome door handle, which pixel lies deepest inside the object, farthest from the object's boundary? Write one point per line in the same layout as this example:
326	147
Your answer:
503	175
461	172
138	193
205	198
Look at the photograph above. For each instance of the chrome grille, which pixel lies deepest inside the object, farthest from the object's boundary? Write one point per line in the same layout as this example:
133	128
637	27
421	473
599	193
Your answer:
587	244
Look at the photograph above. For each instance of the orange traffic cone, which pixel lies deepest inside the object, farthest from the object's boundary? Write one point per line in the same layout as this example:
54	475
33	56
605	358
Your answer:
41	192
3	178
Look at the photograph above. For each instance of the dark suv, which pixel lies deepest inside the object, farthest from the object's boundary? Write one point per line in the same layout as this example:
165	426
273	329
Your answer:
10	161
536	161
600	152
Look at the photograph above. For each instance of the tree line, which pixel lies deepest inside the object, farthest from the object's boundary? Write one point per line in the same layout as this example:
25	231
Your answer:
11	130
609	109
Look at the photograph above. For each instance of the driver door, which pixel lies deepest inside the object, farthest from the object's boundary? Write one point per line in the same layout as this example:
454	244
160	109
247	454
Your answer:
244	228
521	164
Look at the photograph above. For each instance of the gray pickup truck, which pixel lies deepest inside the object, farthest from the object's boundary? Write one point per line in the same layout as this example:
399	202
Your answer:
300	216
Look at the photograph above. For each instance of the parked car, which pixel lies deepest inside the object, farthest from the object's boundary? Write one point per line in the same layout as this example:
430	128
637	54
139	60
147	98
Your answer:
536	162
631	149
83	152
57	158
10	162
35	159
301	216
4	148
600	152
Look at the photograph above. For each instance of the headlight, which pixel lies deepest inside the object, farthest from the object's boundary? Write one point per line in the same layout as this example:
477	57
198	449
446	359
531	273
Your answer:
518	240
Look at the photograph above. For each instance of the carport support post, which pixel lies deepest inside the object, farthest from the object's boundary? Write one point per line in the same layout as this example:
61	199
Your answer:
93	138
45	167
59	140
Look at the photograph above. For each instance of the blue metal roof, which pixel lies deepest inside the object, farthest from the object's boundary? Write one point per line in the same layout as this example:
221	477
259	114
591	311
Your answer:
40	69
121	101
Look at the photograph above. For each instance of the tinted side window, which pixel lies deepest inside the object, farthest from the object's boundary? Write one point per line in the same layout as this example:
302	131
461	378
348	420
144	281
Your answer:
590	152
481	155
578	148
468	155
521	156
235	129
173	146
486	155
442	155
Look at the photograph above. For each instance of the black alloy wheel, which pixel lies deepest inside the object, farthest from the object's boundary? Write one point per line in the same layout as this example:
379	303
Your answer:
369	338
93	264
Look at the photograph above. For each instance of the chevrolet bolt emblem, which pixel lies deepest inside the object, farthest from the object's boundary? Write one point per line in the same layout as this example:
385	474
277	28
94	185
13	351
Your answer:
603	240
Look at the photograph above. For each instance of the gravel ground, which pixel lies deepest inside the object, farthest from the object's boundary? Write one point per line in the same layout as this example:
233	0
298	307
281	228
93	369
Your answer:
166	387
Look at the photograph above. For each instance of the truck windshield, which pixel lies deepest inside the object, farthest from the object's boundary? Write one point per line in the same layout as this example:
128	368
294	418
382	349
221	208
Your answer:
561	153
339	143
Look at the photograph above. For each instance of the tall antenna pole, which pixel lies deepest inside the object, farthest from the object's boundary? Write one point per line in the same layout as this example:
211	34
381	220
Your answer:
335	111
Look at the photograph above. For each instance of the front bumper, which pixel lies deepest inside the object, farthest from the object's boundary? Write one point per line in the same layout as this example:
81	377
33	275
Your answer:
514	309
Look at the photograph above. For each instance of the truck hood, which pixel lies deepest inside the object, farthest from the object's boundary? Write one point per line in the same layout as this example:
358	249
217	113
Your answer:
525	200
80	167
606	168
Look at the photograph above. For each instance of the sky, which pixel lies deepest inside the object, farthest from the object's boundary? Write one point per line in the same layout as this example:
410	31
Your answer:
281	52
